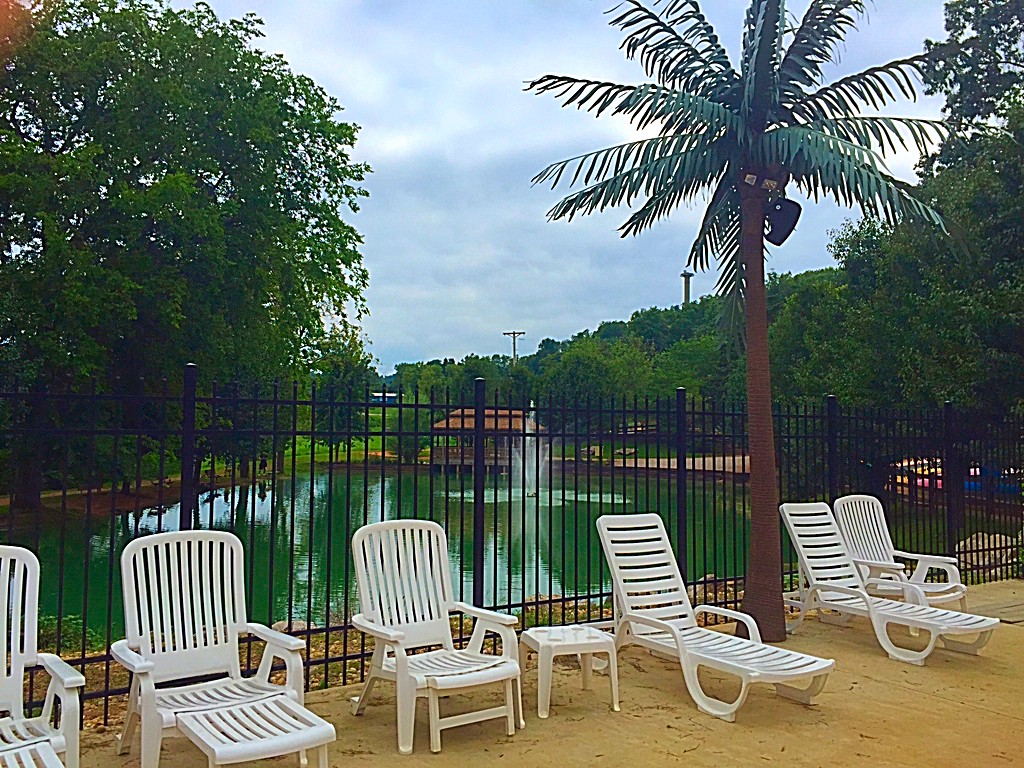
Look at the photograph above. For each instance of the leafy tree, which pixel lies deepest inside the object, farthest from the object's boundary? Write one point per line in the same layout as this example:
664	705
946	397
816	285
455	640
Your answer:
175	193
742	136
694	364
982	62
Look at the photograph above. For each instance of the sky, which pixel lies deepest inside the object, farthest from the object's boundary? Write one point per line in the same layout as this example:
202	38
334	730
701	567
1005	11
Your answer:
457	241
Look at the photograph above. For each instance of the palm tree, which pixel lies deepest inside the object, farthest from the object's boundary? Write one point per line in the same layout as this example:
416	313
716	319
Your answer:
739	138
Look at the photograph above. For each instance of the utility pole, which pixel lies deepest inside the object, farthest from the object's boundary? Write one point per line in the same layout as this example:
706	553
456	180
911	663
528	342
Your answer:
686	275
515	335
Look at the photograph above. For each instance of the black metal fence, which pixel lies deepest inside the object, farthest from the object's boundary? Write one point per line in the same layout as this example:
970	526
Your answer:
293	471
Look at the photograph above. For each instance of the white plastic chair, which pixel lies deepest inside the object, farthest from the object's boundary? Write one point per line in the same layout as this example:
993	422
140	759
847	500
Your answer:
653	610
832	583
862	521
19	607
405	599
184	607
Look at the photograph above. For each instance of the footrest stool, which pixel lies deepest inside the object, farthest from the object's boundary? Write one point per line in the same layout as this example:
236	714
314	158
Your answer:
256	730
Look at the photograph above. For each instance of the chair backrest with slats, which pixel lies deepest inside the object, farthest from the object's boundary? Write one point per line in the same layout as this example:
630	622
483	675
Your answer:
19	606
862	521
824	556
644	569
404	579
184	602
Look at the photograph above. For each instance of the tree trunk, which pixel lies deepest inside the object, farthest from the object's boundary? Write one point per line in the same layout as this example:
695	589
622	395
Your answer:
762	597
28	460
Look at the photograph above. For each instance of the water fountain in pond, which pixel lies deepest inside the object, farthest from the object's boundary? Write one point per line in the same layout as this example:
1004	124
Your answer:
530	454
529	463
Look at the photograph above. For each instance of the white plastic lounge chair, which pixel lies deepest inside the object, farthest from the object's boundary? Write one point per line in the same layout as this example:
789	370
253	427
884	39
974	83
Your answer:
184	609
652	609
405	599
831	582
23	738
862	522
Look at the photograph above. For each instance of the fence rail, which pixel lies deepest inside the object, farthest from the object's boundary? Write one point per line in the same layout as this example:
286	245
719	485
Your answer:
293	471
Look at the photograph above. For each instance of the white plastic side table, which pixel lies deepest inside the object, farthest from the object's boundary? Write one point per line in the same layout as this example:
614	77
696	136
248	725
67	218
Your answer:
585	641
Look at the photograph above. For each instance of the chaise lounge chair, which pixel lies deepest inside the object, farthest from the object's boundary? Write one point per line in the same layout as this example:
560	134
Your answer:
832	583
653	610
862	522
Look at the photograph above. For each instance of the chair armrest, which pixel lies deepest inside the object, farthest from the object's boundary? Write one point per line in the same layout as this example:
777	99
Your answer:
647	621
881	565
129	659
275	638
744	618
60	670
826	587
483	614
363	624
911	592
937	559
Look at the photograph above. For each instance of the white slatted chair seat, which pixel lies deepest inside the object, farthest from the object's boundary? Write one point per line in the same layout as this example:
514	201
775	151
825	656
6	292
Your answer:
18	733
171	702
832	583
405	599
652	609
32	741
184	607
38	755
443	669
861	520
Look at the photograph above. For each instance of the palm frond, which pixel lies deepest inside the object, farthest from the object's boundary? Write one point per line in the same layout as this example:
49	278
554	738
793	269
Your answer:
887	135
722	214
873	88
617	175
677	111
827	166
677	47
823	27
762	45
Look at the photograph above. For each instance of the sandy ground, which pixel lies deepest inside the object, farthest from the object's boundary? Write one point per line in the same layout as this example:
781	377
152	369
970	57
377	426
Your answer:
957	710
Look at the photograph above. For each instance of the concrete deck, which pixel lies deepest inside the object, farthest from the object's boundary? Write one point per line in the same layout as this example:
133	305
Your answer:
957	711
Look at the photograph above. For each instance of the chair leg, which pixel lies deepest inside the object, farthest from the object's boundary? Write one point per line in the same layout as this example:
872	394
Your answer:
376	663
321	756
151	738
586	668
131	719
971	648
802	695
510	709
406	717
520	718
709	705
435	720
906	655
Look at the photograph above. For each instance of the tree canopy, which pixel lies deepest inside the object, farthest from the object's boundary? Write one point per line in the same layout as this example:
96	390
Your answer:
168	193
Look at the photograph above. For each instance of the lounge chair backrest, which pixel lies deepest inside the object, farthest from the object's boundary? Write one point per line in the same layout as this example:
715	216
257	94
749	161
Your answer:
643	567
19	601
184	600
404	579
862	521
824	557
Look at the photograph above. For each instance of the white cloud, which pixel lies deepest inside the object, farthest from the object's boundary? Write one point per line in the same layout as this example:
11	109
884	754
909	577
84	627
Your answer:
456	238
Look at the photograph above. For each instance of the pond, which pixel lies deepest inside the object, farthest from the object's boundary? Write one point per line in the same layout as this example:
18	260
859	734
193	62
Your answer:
296	535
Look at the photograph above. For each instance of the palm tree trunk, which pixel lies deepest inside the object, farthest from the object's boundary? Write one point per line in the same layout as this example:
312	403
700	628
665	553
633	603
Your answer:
762	597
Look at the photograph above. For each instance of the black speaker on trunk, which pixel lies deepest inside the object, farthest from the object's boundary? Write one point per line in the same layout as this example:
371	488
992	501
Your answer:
782	215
